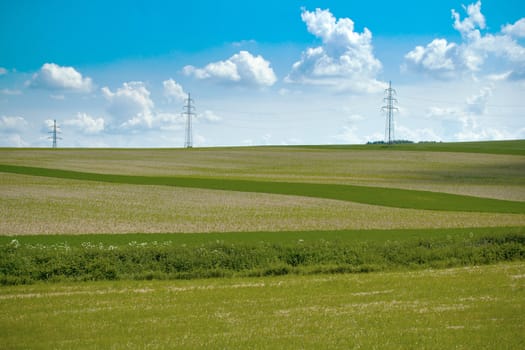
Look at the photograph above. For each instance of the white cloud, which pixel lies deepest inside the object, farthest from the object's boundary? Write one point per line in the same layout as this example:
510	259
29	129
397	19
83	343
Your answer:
472	120
15	140
416	135
209	116
477	133
242	67
490	54
86	123
54	77
345	59
437	57
173	90
443	112
477	104
349	135
3	71
130	104
516	30
475	19
169	121
12	123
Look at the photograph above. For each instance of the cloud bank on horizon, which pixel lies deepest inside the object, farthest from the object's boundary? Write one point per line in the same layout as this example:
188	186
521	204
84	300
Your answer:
461	87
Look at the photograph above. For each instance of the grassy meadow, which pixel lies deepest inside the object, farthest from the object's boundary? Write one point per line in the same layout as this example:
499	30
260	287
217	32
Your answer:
404	246
462	308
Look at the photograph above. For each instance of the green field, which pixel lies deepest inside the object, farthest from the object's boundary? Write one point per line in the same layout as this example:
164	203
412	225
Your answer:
404	246
462	308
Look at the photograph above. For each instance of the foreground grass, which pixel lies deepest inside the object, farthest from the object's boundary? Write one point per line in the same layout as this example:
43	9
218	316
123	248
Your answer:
467	308
30	259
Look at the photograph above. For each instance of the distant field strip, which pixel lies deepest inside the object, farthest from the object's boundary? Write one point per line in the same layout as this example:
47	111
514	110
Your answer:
516	147
389	197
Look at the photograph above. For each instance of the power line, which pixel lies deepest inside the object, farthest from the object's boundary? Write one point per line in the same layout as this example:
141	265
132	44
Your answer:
189	112
389	109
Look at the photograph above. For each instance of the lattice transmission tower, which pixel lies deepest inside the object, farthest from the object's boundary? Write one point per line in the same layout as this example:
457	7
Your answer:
189	112
389	108
54	134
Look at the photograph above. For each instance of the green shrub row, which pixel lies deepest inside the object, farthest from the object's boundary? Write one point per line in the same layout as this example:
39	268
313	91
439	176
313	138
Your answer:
27	263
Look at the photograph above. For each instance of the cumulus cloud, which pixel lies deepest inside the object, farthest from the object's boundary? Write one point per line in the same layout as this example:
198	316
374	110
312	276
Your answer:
475	19
442	112
516	30
132	108
3	71
477	104
243	68
130	104
350	134
473	132
12	123
169	121
345	57
471	121
209	116
417	134
173	90
437	57
86	123
491	54
14	140
11	128
474	106
54	77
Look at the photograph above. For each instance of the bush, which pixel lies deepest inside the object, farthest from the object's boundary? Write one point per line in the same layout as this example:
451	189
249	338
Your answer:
26	263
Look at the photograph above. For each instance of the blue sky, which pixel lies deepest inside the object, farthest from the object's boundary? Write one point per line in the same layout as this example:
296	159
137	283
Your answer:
114	73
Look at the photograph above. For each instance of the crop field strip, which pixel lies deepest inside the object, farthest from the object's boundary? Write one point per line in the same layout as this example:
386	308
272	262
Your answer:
41	205
155	201
388	168
390	197
473	174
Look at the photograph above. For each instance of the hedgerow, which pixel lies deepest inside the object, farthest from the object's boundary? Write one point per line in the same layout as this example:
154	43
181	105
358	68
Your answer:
29	263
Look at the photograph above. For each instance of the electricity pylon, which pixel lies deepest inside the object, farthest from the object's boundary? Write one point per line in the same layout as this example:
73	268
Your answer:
189	112
54	133
389	108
